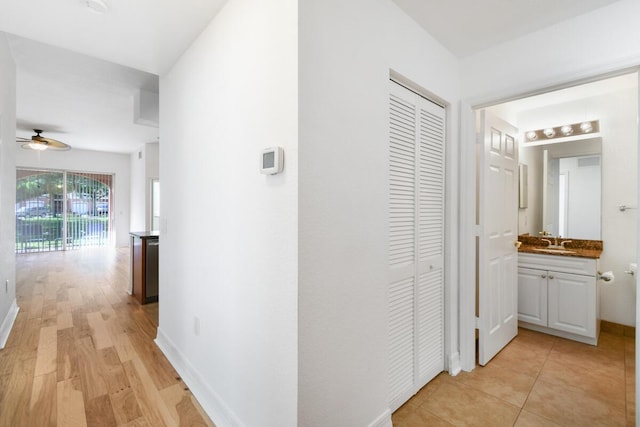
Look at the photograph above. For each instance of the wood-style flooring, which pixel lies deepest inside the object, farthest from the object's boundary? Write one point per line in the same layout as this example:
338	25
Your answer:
81	352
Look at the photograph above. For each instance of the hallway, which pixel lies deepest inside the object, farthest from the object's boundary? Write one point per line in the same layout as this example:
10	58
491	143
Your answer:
81	351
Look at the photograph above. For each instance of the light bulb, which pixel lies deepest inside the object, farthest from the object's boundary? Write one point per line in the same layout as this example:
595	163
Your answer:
566	130
549	132
532	135
586	127
36	146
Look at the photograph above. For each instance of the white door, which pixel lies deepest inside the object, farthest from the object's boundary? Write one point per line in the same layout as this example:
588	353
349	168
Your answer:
416	242
498	219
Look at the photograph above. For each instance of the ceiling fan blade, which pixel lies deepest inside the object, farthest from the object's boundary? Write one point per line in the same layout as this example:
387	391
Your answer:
51	143
40	142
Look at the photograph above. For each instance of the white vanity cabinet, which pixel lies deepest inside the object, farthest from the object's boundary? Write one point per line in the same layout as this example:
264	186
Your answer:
559	295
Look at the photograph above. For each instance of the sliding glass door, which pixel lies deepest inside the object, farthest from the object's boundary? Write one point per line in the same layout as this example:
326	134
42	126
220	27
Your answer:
61	210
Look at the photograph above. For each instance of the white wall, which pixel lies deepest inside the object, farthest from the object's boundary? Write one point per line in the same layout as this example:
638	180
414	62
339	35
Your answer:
8	308
228	233
144	167
89	161
138	190
347	49
152	171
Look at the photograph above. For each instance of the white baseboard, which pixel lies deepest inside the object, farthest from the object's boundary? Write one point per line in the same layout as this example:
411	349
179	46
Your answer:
383	420
454	364
218	411
7	323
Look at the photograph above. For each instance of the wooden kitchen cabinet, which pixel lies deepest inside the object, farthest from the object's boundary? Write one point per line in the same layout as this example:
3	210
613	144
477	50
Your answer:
144	266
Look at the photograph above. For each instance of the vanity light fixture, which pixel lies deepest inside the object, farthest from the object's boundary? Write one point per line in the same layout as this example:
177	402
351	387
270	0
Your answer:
574	129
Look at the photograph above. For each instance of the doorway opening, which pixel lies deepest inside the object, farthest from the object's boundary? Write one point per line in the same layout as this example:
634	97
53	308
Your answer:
612	150
62	210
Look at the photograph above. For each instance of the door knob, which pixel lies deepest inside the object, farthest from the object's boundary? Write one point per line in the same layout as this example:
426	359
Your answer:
544	276
550	277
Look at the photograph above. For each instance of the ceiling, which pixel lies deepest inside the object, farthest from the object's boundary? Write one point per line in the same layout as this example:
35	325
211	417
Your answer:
466	27
85	102
78	70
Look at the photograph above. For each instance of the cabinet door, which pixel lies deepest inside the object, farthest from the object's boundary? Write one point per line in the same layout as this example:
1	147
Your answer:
572	302
532	296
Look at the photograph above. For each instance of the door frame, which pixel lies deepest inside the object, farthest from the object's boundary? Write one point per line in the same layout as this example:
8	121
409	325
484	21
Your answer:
469	230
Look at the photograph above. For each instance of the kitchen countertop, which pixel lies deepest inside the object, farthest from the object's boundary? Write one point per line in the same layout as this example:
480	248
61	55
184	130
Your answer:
145	234
581	248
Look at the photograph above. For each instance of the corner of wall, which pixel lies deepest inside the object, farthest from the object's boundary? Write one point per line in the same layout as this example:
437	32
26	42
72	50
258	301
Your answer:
384	420
216	409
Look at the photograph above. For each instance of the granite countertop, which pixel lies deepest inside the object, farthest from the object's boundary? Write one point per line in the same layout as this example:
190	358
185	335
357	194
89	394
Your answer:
581	248
145	234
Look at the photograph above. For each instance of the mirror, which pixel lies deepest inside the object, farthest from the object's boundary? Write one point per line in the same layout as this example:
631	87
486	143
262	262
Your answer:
567	199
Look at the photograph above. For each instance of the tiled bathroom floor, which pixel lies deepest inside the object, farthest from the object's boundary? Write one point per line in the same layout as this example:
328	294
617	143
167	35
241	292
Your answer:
537	380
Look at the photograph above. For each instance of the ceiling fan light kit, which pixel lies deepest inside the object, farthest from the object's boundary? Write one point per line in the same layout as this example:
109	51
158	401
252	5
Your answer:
40	143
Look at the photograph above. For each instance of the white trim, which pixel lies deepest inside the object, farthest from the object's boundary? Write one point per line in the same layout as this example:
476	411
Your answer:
553	83
384	420
454	364
414	87
451	242
562	334
8	322
468	231
210	401
637	357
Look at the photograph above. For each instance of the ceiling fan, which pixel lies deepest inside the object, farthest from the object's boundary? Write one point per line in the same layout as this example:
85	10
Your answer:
38	142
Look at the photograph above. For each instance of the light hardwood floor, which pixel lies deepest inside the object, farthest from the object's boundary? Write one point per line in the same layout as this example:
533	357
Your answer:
81	351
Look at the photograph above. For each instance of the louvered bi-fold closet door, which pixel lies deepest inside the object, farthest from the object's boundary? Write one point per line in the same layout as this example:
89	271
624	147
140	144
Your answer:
416	242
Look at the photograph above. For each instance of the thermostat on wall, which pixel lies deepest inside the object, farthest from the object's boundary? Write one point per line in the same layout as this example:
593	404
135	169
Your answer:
272	161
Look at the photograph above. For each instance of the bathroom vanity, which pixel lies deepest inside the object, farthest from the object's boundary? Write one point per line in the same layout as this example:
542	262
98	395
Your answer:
558	291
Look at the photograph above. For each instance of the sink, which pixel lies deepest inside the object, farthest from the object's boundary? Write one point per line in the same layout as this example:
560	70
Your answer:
554	251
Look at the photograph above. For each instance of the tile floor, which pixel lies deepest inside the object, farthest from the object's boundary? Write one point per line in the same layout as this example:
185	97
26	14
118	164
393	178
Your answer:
537	380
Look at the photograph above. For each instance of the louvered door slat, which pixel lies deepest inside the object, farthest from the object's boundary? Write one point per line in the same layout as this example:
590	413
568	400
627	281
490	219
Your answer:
401	324
401	182
430	326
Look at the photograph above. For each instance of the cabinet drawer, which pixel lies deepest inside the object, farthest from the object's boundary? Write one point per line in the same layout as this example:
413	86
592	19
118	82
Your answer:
575	265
